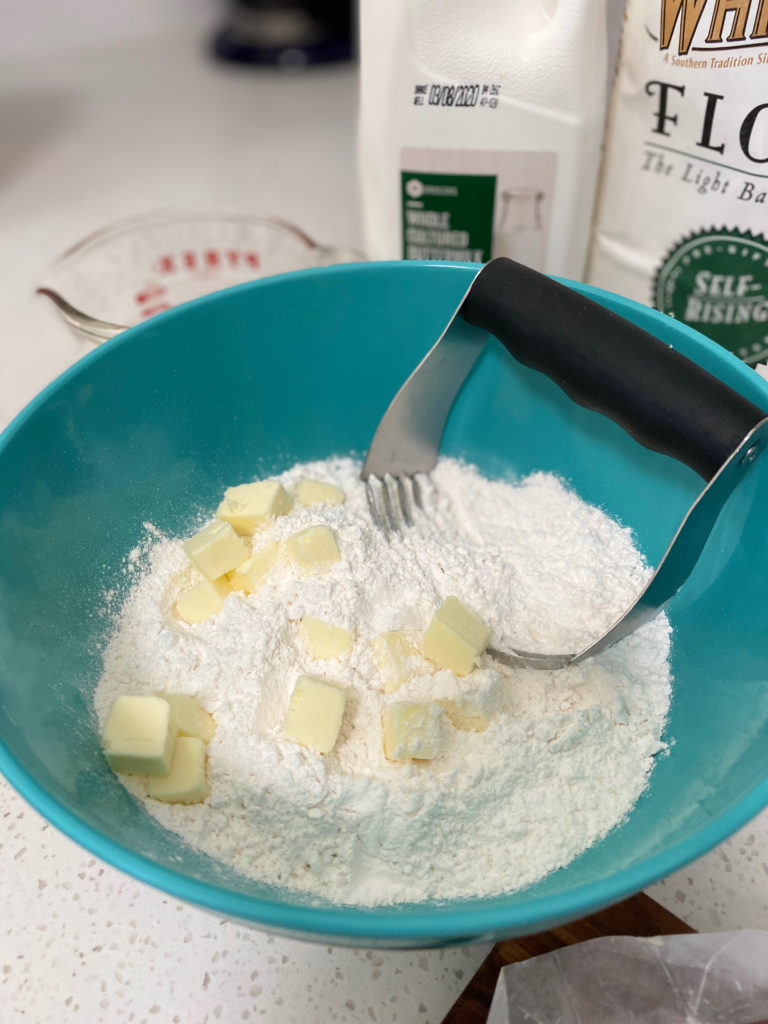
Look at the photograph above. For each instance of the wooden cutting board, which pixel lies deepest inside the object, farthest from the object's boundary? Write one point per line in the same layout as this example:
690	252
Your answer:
639	916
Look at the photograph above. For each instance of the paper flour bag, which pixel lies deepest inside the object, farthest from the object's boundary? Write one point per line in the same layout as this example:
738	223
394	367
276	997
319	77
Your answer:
682	216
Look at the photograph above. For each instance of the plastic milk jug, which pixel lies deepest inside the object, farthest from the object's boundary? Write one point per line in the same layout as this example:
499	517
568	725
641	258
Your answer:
480	131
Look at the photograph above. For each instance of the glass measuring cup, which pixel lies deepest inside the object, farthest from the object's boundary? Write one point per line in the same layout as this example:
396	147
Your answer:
137	267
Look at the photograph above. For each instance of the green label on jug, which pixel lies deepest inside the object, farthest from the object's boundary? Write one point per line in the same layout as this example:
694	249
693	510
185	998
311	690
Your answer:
447	216
717	282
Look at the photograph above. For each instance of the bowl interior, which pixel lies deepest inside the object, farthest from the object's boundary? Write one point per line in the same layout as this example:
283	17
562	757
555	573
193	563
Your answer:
152	427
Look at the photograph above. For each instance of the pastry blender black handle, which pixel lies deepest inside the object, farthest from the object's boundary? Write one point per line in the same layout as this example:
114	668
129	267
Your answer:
606	363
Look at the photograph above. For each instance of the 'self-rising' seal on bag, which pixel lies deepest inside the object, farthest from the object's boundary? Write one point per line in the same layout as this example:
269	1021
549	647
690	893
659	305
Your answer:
682	217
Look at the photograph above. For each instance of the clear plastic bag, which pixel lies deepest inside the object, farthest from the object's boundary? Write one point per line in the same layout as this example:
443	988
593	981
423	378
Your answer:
719	978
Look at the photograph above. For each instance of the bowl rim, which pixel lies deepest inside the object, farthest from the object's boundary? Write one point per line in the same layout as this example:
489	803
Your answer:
398	925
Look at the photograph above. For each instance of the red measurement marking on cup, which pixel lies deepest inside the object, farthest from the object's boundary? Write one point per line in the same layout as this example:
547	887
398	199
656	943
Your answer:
206	259
154	294
150	300
152	291
149	311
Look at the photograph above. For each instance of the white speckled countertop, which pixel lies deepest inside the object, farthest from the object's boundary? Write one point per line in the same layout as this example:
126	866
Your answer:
89	138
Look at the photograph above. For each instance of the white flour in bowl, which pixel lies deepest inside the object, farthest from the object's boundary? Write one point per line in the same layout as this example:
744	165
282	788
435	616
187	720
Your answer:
563	760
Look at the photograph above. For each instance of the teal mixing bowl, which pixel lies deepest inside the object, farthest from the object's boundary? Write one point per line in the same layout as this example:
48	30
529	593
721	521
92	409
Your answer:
154	424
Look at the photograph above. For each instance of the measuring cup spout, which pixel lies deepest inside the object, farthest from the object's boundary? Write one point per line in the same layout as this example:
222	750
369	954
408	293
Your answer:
85	326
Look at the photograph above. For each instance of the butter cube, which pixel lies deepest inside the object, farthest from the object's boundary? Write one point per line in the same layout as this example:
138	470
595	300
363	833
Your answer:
393	651
314	714
412	730
185	783
198	603
216	550
313	492
324	640
455	637
250	506
471	704
139	736
314	550
190	718
252	574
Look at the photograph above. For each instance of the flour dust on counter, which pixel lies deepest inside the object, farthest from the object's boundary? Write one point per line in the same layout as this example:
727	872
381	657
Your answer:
491	777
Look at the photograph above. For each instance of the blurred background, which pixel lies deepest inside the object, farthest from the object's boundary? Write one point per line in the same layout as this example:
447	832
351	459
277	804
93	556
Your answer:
108	111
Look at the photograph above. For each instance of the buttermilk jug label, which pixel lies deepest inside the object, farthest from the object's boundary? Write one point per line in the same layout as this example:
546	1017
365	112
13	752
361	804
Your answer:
451	210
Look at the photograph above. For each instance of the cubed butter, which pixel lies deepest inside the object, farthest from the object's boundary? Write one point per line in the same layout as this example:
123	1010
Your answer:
190	718
314	714
247	507
456	637
393	651
314	492
411	730
202	601
252	574
314	550
324	640
185	783
140	735
216	550
471	703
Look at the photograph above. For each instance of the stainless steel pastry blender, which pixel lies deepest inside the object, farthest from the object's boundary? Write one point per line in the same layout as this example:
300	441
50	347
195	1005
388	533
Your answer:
601	361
